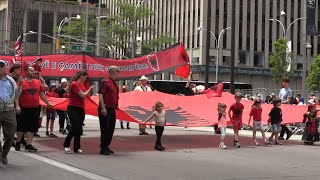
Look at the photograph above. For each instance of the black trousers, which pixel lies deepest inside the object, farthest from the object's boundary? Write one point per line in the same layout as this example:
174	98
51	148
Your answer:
76	115
107	125
62	118
284	129
159	132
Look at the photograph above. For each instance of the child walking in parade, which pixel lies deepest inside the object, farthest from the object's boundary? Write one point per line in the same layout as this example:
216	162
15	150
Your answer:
311	134
51	113
160	121
275	118
255	113
236	118
222	124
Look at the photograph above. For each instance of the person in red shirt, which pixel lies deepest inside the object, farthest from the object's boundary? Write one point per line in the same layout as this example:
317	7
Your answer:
51	113
255	113
236	118
28	120
108	103
37	65
76	111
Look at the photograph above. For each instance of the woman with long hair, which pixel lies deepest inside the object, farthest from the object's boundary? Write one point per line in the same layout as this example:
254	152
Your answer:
76	111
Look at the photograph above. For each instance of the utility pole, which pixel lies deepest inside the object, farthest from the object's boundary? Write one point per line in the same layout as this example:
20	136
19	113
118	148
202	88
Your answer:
233	47
206	80
98	30
304	40
86	29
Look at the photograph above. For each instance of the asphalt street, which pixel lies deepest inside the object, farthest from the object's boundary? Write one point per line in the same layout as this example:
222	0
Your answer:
190	154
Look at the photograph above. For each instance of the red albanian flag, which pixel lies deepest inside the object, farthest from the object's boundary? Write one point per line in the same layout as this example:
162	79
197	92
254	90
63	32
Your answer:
183	71
214	91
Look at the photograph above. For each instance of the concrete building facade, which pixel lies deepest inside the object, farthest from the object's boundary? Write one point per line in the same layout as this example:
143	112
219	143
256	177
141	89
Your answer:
43	17
255	33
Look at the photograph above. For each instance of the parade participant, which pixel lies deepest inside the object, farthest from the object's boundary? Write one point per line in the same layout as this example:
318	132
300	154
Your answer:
37	65
28	121
255	113
143	87
108	103
62	91
222	124
310	134
51	113
123	90
236	118
75	110
9	106
275	118
190	88
160	121
285	95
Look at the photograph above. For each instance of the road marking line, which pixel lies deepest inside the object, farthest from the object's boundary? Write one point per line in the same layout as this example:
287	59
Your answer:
66	167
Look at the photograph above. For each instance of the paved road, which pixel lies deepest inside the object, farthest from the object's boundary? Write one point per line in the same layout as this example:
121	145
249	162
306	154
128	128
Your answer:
189	155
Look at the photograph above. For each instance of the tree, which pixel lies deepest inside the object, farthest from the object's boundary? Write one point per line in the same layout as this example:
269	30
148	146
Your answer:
313	78
120	28
279	61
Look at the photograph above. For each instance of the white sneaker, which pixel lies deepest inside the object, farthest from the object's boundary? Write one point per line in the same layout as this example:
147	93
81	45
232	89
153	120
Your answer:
67	150
222	146
79	151
256	143
237	145
266	142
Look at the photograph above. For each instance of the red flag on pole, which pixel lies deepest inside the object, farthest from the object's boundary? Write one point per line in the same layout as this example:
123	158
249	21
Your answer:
214	91
183	71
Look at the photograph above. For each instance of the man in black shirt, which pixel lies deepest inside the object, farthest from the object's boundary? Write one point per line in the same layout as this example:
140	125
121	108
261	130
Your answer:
62	91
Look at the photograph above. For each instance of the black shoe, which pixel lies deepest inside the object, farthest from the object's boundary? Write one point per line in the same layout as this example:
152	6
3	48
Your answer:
288	136
128	127
106	153
30	148
110	151
36	135
162	148
281	138
122	127
23	142
17	146
47	133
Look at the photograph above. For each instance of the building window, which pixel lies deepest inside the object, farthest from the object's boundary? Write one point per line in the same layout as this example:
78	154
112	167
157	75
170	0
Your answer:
195	60
258	60
226	60
242	58
47	27
32	25
16	24
299	66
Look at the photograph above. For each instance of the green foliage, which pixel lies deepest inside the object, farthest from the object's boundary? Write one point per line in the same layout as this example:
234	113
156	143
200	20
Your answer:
278	61
117	30
313	78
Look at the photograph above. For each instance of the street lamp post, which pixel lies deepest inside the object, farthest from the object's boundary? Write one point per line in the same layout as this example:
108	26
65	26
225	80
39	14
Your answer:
217	42
63	21
285	33
305	70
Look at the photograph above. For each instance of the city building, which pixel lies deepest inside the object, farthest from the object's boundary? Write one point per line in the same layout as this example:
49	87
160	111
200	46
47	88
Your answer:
42	17
187	21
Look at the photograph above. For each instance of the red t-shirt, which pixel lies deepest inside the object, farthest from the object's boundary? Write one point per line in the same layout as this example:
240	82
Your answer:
110	91
256	113
51	94
29	97
237	110
75	99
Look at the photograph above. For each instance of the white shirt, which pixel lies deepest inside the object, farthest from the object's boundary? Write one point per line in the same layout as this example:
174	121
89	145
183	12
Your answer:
143	89
160	118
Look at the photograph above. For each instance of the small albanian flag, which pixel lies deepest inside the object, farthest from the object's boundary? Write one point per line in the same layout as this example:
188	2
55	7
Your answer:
214	91
183	71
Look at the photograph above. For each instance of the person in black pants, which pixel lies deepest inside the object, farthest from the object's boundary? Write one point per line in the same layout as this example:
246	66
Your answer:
285	95
108	103
62	91
76	111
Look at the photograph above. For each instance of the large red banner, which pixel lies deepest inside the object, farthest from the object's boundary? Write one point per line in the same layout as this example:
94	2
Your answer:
66	65
184	111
